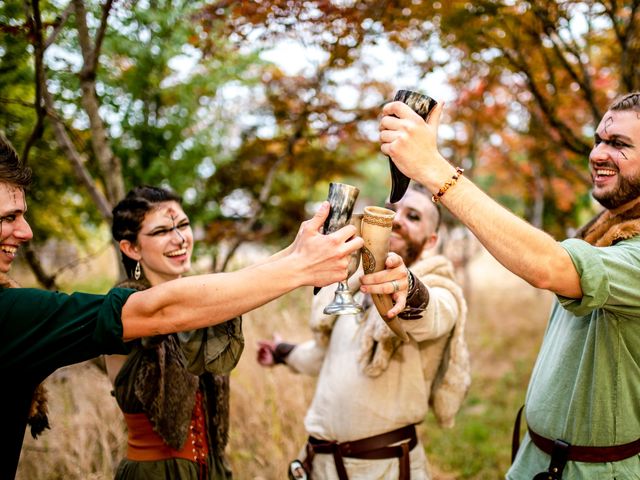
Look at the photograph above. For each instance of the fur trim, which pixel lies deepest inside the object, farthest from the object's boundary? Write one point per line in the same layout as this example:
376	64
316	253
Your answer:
167	390
164	387
38	419
379	343
453	379
217	402
607	229
452	382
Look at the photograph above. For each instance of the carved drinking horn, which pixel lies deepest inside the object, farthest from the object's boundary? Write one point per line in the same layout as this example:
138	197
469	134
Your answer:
375	230
422	105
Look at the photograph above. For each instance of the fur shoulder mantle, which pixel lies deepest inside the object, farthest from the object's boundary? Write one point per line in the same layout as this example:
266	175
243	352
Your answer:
607	229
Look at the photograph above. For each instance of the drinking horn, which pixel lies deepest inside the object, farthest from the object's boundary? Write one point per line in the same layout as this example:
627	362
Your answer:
422	105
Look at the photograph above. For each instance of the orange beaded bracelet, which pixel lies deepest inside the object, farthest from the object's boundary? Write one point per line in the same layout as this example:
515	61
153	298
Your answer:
435	198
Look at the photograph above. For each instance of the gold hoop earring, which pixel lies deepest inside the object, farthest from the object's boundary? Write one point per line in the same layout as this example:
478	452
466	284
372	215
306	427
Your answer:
137	272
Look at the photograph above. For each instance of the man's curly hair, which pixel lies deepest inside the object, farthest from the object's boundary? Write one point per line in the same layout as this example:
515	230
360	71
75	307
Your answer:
12	170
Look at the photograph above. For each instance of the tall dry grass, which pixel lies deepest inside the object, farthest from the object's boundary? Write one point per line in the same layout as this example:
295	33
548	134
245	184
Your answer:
506	321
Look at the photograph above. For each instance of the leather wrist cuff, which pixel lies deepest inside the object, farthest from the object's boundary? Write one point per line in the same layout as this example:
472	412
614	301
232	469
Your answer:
281	352
417	300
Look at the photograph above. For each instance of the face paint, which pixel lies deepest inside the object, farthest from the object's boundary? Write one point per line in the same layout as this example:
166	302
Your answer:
14	229
608	123
165	256
176	226
615	160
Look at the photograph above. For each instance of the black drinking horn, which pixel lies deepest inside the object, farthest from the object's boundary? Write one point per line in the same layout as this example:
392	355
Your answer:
422	105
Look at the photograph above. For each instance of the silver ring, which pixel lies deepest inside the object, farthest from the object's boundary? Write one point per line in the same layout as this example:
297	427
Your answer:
396	287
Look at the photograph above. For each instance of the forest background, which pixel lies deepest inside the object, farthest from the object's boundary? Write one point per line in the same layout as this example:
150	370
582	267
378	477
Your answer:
249	109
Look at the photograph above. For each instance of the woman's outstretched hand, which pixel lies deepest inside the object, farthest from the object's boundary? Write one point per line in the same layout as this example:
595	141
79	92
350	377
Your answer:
323	259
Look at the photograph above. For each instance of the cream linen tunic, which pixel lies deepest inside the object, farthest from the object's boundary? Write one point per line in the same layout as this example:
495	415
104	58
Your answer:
349	405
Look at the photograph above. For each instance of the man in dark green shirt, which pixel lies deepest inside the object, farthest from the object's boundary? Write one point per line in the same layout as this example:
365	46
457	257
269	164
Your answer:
42	331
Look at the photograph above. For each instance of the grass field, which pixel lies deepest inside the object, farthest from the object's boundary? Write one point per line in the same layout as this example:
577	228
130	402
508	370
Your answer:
506	321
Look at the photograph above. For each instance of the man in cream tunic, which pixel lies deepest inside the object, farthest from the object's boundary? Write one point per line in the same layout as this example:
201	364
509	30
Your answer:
369	381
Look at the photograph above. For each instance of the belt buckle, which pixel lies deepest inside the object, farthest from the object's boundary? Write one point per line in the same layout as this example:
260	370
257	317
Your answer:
559	457
297	471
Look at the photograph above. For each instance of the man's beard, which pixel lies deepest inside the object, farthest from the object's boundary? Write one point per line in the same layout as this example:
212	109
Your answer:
411	252
627	189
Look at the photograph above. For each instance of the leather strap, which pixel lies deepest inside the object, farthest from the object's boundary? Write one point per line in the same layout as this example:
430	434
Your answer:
405	464
577	453
515	439
372	448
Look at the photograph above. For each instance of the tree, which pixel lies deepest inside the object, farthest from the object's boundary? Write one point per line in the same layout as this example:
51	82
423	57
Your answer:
530	78
250	142
107	109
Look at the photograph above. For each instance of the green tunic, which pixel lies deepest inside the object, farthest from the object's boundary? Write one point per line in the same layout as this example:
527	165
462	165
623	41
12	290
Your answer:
42	331
585	386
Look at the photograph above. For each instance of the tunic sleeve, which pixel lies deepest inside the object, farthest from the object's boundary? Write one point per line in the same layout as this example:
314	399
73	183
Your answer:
608	277
43	330
439	317
306	358
214	349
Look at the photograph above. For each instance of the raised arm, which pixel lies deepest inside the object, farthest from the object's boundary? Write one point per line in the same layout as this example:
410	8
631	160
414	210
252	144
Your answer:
202	300
525	250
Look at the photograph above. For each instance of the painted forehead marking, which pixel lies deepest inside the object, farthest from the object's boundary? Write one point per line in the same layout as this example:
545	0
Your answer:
14	194
608	122
171	213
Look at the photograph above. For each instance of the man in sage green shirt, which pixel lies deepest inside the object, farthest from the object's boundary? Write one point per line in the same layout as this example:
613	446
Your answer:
588	365
583	401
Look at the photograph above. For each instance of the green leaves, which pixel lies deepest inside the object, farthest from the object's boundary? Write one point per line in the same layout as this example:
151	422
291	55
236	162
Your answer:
187	100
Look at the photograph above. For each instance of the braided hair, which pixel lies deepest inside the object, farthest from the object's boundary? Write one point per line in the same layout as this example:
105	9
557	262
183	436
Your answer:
630	101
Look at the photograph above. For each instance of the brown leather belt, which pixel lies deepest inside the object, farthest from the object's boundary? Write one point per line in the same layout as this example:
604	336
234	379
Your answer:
372	448
577	453
562	452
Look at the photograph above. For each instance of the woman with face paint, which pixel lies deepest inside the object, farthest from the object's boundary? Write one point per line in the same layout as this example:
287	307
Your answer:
172	389
42	330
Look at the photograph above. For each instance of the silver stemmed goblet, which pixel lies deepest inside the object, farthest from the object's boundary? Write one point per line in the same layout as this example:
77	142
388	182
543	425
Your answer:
343	302
342	198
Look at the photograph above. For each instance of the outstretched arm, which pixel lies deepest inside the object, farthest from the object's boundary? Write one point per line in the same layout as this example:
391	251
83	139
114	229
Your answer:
203	300
525	250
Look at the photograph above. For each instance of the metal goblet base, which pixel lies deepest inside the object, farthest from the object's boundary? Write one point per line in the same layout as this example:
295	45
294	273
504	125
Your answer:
343	304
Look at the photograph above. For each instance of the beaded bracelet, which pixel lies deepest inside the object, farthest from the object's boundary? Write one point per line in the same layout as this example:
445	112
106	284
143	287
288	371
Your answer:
435	198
